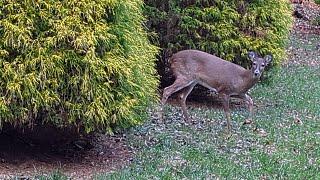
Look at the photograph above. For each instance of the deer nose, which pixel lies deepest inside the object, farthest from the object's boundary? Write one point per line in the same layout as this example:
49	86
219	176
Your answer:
256	72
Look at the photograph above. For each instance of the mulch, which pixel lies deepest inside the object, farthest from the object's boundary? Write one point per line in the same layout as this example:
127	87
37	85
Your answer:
42	150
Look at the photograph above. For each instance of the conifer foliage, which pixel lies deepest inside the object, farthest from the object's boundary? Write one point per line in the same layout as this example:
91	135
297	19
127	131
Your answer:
86	63
228	29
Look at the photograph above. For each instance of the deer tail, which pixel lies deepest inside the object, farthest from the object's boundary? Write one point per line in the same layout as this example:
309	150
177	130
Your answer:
170	60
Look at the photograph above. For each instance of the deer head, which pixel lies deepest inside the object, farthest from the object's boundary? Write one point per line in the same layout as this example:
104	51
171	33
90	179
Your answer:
258	63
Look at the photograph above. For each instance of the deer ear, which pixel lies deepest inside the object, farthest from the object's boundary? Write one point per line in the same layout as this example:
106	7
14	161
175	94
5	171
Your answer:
251	55
268	59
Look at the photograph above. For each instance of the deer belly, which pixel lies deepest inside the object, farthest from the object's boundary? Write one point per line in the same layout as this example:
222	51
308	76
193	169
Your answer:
209	87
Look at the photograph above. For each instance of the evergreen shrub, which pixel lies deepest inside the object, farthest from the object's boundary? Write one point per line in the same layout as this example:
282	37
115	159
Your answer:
228	29
83	63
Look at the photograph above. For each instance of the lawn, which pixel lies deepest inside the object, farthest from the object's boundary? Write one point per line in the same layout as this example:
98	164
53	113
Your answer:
283	143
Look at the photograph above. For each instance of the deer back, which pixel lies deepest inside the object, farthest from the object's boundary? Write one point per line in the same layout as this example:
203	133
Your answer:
210	70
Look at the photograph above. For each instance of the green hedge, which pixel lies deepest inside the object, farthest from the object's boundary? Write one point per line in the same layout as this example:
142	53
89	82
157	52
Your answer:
228	29
82	63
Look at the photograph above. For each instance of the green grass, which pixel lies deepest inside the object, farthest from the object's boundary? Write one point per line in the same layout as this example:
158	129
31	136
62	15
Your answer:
290	150
56	175
287	107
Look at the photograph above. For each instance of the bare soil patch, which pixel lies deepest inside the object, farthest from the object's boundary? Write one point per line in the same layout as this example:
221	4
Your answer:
308	11
304	42
45	149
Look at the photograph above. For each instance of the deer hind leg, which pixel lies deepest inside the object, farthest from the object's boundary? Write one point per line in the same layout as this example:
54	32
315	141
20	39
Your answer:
168	91
226	107
183	97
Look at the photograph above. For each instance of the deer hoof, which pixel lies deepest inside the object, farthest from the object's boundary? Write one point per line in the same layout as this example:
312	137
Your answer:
247	121
160	117
187	121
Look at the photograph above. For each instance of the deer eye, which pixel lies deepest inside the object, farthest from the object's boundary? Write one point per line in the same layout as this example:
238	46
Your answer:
254	63
262	65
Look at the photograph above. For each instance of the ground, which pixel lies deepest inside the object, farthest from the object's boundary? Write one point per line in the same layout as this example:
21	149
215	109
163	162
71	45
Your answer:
283	143
46	150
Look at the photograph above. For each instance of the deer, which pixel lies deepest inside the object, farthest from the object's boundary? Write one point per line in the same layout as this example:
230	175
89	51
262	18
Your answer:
224	78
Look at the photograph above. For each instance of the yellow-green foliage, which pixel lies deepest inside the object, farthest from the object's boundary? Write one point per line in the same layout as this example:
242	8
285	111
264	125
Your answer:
76	62
228	29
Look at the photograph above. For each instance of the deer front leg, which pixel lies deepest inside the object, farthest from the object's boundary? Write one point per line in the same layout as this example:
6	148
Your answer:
249	102
226	107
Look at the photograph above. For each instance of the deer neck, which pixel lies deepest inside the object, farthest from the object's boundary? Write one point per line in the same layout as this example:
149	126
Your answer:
248	80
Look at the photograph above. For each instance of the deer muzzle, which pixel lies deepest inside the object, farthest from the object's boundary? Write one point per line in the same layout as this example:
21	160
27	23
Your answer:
256	72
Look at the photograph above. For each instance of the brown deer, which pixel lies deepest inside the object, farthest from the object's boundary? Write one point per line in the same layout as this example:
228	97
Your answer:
298	1
192	67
